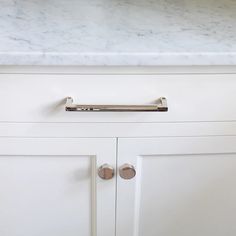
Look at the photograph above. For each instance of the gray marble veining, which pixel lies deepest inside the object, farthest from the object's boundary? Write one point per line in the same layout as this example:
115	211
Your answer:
118	32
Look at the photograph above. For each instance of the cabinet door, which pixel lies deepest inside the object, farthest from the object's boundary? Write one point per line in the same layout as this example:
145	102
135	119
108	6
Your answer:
49	187
182	187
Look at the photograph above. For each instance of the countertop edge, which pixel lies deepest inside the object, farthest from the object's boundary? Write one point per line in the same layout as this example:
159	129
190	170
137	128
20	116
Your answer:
117	59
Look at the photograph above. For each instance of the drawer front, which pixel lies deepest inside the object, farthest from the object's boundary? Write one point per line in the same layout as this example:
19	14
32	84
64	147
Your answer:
190	98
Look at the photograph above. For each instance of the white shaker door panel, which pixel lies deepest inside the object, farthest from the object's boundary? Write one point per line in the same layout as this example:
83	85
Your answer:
182	187
50	187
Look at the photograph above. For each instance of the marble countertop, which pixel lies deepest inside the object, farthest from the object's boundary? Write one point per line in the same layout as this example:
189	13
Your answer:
118	32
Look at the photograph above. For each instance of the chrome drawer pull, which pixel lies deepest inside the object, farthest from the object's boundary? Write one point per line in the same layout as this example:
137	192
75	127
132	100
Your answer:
160	106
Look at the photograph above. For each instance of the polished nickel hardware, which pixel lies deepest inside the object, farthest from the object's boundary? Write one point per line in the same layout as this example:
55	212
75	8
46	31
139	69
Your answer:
127	171
106	172
160	106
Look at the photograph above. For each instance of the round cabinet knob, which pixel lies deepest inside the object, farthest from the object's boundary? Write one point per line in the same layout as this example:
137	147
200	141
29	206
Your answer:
127	171
106	171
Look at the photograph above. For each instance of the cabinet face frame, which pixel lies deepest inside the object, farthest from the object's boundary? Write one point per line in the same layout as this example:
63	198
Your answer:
195	153
95	151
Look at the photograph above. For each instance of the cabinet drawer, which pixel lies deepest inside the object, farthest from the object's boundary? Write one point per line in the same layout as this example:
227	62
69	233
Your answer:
190	97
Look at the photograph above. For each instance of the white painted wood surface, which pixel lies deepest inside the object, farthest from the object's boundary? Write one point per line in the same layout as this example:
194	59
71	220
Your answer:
104	130
41	98
50	187
184	186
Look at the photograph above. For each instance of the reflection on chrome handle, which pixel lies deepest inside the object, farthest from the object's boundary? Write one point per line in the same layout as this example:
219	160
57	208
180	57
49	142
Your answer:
160	106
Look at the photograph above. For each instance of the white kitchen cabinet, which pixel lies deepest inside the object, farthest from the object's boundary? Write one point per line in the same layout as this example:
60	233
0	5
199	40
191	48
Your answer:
180	163
183	186
50	187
